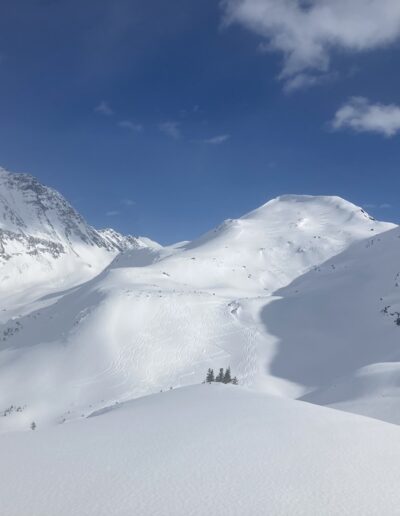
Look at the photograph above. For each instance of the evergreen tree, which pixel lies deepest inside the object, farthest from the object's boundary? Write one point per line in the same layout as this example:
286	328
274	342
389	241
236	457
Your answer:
227	376
210	376
220	376
33	425
235	381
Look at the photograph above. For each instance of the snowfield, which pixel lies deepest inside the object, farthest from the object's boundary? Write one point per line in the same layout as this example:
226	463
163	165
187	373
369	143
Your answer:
105	340
159	317
205	449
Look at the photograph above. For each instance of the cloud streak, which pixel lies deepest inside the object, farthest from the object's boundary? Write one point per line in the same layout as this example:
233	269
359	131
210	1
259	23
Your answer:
130	126
170	129
306	32
128	202
104	109
360	115
217	140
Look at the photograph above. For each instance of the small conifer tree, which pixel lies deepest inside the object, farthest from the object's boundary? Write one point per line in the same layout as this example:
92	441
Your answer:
220	376
235	381
210	376
33	425
227	376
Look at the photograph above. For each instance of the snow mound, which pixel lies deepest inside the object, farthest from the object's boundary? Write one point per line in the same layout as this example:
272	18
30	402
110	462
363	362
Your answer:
372	390
196	450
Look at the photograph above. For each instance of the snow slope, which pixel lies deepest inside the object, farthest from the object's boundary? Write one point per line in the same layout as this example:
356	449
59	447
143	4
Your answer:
204	450
340	334
159	317
301	297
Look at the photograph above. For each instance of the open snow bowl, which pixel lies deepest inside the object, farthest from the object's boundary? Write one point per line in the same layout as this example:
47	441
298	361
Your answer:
196	450
157	317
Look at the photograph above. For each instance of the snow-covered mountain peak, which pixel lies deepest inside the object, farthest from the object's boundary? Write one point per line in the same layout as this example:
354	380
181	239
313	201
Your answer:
272	245
293	206
28	207
44	240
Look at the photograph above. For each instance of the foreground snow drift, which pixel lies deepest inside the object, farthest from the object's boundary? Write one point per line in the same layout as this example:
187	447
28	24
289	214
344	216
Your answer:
204	450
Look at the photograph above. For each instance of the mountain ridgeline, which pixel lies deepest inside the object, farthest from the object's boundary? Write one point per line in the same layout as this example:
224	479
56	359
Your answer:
43	239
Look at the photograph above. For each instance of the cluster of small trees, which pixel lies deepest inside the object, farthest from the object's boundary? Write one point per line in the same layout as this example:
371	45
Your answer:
222	376
8	411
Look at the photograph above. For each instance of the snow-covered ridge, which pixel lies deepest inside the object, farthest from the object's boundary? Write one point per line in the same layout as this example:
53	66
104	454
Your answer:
121	242
277	242
343	208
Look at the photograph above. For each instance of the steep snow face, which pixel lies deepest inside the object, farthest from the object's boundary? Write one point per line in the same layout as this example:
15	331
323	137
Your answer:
338	328
201	450
29	207
159	317
44	242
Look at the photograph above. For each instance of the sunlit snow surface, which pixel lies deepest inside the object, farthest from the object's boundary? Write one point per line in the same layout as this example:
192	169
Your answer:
205	449
159	317
103	336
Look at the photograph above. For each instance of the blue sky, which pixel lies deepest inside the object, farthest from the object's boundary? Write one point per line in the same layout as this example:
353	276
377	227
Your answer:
164	118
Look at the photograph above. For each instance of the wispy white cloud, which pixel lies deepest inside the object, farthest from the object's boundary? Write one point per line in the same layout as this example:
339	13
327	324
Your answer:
128	202
360	115
307	31
112	213
303	81
194	110
171	129
104	109
217	140
127	124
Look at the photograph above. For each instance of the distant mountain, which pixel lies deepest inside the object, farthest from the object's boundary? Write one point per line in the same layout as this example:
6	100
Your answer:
44	242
